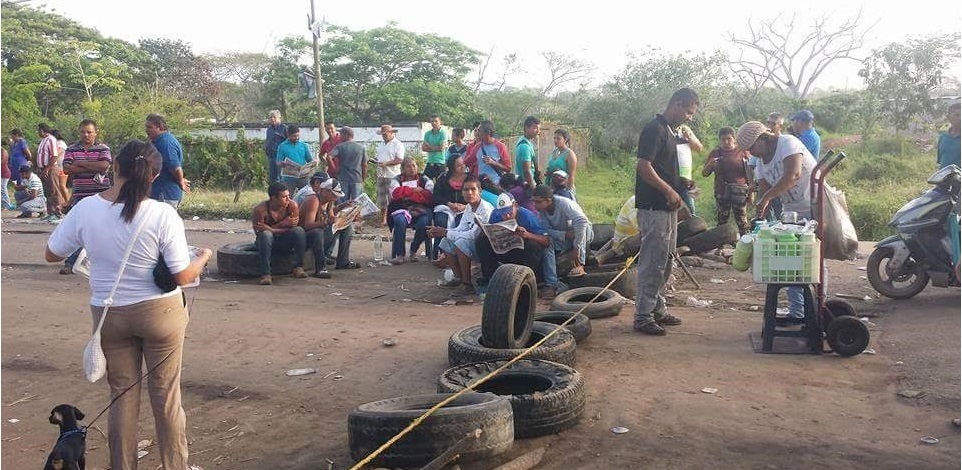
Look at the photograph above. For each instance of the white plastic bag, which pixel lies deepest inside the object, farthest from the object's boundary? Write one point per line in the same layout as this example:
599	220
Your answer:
95	363
839	237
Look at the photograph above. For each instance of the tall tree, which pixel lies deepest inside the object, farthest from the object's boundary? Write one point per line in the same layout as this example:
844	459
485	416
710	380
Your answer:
176	70
792	56
390	74
902	76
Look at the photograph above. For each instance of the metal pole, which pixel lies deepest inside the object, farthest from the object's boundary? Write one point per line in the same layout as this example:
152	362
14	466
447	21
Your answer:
317	80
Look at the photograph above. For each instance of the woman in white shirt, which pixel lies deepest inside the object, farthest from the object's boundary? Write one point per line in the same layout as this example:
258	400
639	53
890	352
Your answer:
143	324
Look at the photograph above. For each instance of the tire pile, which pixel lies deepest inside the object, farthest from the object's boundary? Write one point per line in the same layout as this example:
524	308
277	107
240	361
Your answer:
539	395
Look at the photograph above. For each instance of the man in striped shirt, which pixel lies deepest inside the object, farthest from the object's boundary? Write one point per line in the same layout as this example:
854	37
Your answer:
87	162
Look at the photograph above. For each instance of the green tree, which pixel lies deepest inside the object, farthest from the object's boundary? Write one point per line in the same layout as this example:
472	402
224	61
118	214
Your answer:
902	75
390	74
176	70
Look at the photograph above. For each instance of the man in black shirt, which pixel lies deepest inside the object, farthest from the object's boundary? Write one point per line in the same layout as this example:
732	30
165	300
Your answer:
657	199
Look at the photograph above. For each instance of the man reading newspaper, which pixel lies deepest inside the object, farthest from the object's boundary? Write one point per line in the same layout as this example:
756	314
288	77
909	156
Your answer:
513	236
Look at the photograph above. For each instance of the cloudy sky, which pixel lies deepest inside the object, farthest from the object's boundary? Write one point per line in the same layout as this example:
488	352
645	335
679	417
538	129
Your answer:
598	31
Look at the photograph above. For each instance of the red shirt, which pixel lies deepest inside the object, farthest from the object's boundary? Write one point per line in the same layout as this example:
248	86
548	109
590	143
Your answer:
326	148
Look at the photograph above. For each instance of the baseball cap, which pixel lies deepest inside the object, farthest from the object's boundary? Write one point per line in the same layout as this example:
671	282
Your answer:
504	200
333	185
561	173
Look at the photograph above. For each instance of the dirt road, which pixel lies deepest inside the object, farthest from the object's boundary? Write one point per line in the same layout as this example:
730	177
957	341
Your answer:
770	411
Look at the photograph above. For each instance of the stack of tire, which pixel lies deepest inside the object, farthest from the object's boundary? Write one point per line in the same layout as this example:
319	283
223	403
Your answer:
539	395
694	233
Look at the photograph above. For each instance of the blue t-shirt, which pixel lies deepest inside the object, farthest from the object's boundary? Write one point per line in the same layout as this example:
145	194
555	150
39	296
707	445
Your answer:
298	153
949	150
165	187
484	168
525	218
812	142
18	157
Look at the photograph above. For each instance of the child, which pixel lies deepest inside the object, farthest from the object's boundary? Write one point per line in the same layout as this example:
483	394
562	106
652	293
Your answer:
731	179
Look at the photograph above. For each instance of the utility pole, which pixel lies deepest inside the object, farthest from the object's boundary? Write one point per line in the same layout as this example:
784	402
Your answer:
315	28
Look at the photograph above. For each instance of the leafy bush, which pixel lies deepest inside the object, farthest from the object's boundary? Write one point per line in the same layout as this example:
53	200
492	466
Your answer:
211	162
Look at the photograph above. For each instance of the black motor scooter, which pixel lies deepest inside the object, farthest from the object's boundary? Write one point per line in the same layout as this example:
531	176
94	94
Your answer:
902	265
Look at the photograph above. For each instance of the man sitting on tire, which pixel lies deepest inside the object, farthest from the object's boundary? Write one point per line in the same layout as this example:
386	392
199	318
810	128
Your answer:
275	223
318	214
535	238
569	228
458	242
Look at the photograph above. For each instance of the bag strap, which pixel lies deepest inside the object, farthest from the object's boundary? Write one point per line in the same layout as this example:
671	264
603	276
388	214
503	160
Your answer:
123	265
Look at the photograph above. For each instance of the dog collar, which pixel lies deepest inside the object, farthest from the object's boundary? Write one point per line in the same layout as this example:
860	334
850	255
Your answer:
71	433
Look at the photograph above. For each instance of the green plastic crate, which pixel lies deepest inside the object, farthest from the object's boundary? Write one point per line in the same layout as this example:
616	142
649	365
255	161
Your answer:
785	262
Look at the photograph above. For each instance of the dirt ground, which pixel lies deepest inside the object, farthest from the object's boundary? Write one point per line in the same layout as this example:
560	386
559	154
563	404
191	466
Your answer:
770	411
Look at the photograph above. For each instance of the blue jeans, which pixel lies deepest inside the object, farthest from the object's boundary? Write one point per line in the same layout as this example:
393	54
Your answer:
549	256
351	191
272	173
72	259
399	225
5	194
659	231
268	243
688	200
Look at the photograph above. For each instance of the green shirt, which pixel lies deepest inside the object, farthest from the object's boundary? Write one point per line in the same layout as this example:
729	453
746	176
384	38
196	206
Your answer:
436	138
523	152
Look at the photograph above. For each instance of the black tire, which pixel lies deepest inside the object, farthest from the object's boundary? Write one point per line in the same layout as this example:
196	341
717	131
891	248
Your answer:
600	276
608	304
847	336
691	226
602	234
884	281
509	307
372	424
836	308
580	327
240	260
711	239
546	397
466	346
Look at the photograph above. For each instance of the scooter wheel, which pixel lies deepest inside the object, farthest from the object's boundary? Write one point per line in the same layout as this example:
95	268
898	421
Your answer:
847	336
835	308
902	285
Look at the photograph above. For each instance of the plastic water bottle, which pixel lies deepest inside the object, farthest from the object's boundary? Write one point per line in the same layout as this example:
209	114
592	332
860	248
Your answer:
742	258
378	249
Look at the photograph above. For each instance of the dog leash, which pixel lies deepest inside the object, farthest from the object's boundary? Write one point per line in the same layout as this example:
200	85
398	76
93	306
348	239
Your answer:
189	305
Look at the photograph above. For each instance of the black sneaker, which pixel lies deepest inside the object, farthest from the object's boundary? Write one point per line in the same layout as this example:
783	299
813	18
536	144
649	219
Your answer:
789	320
650	327
667	319
323	274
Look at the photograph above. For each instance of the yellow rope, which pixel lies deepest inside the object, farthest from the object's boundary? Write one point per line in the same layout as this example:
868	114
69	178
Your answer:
484	379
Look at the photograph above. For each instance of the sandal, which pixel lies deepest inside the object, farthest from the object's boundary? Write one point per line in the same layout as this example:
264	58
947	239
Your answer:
349	265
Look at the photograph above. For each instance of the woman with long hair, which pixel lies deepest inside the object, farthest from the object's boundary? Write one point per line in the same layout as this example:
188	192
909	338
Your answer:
144	323
447	196
563	158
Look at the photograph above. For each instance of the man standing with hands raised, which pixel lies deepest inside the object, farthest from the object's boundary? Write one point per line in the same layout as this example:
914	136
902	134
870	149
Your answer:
656	197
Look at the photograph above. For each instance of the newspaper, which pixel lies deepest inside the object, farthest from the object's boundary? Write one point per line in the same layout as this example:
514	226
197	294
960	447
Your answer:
502	236
345	218
298	171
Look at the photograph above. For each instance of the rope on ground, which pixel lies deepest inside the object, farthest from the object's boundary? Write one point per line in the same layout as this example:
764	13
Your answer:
417	421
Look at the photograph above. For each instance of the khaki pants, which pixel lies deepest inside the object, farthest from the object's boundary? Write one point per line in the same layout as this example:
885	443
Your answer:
146	331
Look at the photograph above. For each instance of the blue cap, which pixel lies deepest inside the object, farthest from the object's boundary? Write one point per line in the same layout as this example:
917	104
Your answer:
804	116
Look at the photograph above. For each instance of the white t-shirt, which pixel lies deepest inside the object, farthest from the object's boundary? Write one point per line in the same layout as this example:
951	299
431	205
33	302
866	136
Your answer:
95	224
387	151
468	228
796	199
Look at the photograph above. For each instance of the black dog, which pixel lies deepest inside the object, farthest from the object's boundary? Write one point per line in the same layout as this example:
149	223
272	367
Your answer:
68	451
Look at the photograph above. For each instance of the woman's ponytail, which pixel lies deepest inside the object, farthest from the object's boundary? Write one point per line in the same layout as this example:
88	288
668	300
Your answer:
138	164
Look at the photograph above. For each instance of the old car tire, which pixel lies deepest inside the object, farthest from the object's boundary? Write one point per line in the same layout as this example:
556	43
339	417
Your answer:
372	424
580	327
600	276
467	346
691	226
546	397
608	304
240	260
847	336
711	239
509	306
602	234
